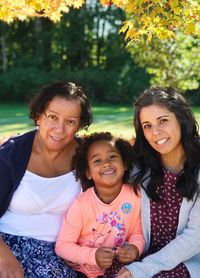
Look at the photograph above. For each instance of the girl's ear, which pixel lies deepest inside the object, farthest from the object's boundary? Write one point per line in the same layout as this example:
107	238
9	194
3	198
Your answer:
88	175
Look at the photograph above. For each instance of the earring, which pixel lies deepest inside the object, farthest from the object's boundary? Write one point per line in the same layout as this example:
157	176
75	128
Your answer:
37	125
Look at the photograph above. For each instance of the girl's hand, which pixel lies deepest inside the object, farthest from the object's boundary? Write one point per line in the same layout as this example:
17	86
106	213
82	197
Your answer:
9	265
127	253
73	265
104	257
124	273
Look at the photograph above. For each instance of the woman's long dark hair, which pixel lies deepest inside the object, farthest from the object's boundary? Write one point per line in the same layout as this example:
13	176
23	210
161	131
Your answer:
149	161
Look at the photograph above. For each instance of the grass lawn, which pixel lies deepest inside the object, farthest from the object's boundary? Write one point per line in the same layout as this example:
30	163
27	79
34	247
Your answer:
116	119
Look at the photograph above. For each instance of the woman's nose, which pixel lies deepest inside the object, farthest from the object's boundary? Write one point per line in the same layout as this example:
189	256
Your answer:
60	127
155	129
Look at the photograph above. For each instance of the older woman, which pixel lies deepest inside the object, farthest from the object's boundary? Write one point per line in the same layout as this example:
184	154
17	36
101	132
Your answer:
37	185
167	156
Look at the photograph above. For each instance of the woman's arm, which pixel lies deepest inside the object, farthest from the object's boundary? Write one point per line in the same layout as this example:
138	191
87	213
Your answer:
9	265
182	248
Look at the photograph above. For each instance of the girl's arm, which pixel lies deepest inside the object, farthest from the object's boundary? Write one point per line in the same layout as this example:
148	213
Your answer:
67	246
136	237
179	250
135	246
135	242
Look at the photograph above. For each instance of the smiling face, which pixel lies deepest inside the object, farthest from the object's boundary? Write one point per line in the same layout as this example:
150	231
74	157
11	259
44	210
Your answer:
59	123
106	167
162	130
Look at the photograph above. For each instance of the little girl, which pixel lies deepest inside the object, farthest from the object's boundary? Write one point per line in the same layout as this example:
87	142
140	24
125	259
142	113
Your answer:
102	229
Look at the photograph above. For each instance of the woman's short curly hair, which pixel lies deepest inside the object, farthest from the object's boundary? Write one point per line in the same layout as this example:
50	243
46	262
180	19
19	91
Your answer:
63	89
80	163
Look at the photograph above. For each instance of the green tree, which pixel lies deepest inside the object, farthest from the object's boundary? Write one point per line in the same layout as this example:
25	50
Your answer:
83	47
173	62
146	18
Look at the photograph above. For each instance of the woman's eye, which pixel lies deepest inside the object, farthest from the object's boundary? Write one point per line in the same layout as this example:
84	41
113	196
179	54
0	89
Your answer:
71	122
52	117
162	121
146	126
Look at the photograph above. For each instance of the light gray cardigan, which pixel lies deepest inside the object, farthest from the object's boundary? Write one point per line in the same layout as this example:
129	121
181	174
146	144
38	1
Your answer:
184	248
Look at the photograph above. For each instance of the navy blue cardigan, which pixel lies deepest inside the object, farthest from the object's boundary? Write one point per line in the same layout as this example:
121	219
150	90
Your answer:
14	158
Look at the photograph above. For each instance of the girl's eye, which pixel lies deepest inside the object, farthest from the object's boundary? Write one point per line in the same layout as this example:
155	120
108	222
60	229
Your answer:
113	156
96	161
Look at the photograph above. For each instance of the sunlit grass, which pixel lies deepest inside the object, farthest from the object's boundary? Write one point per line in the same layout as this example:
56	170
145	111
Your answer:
14	119
196	111
116	119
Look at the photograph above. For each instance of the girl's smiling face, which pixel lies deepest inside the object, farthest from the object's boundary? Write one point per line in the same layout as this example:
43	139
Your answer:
161	129
105	165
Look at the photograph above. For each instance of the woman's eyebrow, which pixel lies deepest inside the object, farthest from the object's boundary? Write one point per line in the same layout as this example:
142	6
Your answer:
52	111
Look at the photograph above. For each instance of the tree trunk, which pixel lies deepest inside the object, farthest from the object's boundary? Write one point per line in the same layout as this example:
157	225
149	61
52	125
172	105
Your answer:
3	54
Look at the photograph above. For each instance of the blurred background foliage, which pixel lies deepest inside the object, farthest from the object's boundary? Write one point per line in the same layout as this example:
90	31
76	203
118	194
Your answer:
86	47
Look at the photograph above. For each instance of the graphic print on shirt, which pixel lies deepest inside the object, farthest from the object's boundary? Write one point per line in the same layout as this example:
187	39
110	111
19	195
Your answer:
108	223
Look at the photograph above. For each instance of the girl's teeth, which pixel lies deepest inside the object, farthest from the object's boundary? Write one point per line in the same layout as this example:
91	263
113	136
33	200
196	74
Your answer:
108	172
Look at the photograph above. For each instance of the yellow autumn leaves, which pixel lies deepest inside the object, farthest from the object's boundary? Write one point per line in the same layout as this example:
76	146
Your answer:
53	9
160	18
145	18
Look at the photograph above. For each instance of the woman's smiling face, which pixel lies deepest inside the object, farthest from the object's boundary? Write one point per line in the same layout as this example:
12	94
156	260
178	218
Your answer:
161	129
59	123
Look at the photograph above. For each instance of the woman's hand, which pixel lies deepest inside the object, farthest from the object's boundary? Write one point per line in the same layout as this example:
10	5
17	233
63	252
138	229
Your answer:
9	265
104	257
124	273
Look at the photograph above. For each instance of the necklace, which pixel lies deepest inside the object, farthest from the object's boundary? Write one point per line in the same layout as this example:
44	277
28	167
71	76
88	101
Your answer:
174	170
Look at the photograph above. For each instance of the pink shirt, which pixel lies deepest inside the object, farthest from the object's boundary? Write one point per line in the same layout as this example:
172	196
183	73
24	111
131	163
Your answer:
90	224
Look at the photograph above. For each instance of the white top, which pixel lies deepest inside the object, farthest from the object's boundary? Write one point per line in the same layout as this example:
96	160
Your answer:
38	205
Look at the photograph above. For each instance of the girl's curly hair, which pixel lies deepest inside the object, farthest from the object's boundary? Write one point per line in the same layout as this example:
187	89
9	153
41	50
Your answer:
80	163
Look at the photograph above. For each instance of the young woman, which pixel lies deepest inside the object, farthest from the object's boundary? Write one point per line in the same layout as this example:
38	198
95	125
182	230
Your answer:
167	159
102	230
37	185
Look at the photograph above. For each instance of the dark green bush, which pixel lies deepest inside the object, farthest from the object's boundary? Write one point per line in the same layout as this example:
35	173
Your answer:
20	83
113	86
